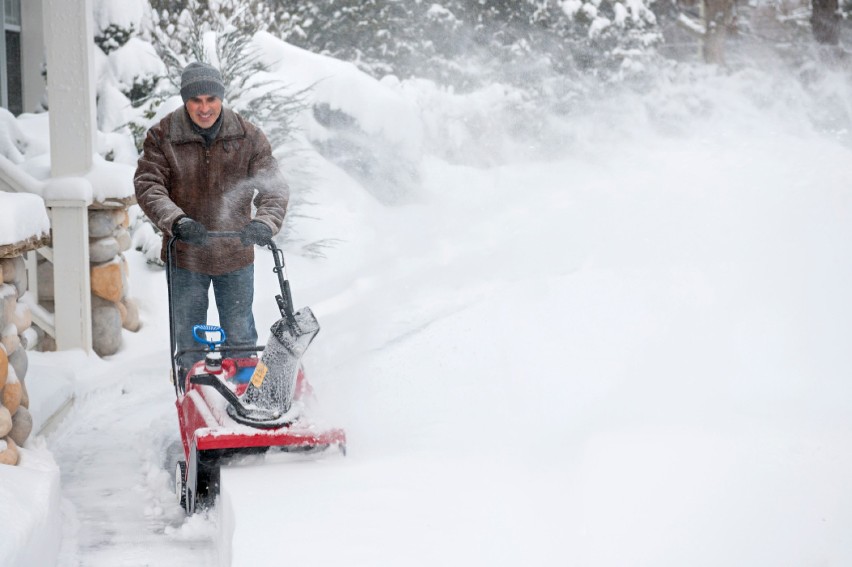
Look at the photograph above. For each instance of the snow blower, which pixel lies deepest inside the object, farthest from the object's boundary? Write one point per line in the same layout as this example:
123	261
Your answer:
234	403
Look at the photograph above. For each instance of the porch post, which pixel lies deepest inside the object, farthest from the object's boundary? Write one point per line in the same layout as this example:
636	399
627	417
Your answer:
69	50
69	220
69	47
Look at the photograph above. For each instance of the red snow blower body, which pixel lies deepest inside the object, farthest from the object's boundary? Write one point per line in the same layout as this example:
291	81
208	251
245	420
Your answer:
232	404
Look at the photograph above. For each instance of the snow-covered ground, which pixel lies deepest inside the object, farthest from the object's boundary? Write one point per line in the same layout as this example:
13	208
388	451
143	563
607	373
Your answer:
634	354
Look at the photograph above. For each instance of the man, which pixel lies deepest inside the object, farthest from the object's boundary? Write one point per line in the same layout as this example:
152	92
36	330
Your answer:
199	171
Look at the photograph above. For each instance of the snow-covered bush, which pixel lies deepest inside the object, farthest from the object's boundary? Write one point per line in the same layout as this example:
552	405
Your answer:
467	43
113	37
115	23
614	36
128	70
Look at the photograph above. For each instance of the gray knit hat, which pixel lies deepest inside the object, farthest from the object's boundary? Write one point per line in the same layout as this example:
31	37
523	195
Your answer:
201	79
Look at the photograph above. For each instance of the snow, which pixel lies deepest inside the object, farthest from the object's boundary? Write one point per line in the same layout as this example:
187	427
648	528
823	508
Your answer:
571	7
37	129
12	141
598	25
30	493
134	59
125	14
634	353
111	180
692	24
50	385
22	216
68	189
105	181
536	375
378	108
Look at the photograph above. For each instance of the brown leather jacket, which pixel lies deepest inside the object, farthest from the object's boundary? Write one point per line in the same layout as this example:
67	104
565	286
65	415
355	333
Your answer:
177	175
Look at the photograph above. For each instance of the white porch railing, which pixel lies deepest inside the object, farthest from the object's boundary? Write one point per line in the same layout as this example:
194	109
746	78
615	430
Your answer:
67	201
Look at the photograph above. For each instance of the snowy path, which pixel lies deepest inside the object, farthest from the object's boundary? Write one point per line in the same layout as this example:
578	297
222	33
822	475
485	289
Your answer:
111	449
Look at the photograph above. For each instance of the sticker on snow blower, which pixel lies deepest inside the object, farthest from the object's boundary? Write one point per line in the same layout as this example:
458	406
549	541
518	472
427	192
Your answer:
259	374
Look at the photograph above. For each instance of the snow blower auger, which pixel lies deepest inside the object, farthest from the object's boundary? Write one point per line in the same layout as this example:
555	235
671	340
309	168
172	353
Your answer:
234	403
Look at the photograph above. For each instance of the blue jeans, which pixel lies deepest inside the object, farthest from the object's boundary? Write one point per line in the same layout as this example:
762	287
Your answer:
234	294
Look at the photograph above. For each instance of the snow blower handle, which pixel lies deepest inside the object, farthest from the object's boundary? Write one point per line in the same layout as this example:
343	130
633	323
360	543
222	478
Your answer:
197	331
285	300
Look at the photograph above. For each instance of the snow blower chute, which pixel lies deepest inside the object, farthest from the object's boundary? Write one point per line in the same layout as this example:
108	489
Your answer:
233	403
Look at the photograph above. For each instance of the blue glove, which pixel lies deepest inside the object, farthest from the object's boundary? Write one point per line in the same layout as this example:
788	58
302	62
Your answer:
190	231
256	232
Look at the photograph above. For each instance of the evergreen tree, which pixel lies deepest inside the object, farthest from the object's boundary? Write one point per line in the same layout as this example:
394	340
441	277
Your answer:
113	37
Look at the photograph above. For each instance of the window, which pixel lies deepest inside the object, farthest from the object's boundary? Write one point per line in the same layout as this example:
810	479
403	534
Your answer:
11	87
14	76
12	16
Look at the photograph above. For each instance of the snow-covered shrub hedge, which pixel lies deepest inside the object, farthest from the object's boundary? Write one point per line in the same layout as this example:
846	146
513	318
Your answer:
466	43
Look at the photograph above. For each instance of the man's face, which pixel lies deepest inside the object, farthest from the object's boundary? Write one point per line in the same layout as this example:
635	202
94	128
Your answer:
204	110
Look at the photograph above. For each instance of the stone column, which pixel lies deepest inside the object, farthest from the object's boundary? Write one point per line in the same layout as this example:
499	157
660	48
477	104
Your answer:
112	306
16	337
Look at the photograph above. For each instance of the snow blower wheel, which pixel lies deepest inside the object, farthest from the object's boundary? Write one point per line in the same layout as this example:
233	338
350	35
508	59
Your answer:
180	483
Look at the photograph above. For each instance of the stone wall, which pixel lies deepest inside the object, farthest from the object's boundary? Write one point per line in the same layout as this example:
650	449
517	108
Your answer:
17	336
112	310
112	307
